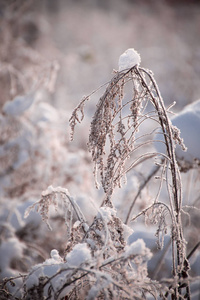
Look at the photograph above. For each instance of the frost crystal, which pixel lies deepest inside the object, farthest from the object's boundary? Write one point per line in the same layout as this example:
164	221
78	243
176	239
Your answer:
129	59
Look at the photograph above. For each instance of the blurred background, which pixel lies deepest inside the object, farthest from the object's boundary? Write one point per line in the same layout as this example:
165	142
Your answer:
86	38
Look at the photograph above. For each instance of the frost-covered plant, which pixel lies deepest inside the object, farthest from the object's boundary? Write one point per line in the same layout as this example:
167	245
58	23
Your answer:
114	142
100	262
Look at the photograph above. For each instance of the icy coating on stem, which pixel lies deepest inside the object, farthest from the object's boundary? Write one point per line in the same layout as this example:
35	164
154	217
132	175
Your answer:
129	59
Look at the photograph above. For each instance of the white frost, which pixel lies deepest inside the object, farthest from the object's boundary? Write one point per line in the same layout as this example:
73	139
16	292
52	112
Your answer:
129	59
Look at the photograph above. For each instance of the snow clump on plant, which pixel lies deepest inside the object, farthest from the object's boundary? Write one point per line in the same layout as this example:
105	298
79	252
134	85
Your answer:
129	59
78	255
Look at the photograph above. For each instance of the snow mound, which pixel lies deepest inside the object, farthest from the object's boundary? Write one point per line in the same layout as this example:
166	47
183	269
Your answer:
129	59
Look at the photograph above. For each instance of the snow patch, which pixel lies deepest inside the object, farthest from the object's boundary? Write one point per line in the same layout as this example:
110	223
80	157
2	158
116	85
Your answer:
79	254
137	248
55	255
31	281
128	231
106	213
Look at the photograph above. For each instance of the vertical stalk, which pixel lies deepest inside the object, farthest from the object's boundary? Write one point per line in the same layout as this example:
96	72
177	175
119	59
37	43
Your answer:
167	132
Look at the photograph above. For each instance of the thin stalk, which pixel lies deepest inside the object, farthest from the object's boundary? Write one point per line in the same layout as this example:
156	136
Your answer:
154	171
165	124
